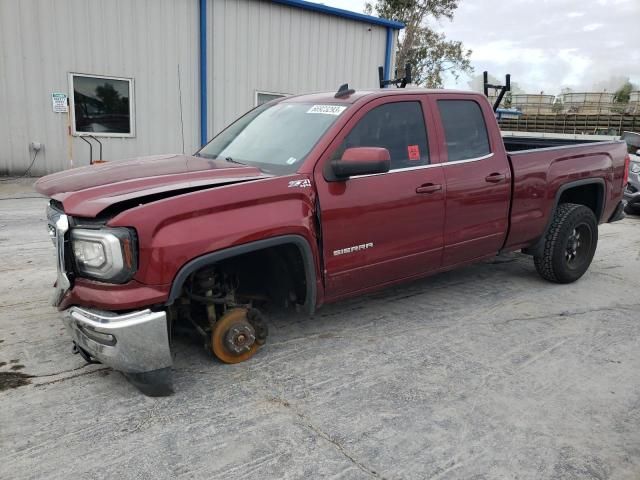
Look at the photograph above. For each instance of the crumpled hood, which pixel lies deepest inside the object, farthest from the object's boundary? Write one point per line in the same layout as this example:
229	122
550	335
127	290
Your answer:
87	191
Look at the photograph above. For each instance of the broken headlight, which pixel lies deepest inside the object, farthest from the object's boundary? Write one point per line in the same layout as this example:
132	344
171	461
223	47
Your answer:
106	254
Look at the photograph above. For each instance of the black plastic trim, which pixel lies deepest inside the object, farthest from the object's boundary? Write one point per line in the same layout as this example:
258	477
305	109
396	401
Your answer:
537	248
340	170
618	213
156	383
214	257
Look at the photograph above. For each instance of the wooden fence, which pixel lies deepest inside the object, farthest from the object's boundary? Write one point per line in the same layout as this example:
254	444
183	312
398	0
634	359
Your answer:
573	123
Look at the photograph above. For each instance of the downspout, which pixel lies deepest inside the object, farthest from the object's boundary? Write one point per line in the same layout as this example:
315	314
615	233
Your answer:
388	54
203	72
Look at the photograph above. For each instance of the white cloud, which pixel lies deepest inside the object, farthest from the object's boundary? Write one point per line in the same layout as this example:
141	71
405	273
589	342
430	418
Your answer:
545	44
546	49
578	64
503	52
591	27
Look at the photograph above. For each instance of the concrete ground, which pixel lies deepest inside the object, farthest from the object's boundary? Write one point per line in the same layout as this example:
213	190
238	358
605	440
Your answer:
486	372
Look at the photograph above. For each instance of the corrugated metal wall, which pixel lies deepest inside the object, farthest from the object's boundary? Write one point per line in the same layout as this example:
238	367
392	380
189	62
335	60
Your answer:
252	45
260	45
43	40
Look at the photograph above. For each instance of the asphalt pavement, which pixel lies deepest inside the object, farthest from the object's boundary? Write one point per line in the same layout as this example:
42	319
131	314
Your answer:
481	373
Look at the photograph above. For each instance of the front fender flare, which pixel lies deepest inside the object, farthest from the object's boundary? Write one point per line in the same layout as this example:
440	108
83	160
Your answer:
217	256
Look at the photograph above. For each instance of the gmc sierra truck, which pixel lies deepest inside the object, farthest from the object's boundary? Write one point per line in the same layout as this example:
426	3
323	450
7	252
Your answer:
309	200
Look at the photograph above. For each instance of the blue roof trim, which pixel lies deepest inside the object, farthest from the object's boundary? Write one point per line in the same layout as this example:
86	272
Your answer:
339	12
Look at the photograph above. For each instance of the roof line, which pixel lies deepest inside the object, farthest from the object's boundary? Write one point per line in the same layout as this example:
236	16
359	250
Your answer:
339	12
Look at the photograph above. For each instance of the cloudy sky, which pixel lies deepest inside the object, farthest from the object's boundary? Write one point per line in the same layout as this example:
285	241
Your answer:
546	44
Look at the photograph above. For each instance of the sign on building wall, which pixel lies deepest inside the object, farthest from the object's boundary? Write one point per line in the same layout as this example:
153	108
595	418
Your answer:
59	101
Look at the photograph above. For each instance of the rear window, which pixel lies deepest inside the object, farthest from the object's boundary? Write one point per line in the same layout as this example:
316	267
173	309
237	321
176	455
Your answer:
464	129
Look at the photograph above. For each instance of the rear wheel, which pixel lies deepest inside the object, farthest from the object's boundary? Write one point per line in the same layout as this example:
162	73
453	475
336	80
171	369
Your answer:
569	245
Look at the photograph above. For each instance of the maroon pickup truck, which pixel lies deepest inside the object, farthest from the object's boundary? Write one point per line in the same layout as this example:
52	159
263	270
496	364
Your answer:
309	200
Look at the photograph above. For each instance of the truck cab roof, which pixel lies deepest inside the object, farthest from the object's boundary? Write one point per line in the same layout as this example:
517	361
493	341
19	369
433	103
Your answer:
329	97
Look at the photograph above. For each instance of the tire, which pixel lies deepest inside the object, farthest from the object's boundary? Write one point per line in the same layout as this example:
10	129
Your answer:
569	245
632	208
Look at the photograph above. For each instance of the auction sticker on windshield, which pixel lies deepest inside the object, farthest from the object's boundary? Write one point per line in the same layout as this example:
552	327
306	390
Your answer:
327	109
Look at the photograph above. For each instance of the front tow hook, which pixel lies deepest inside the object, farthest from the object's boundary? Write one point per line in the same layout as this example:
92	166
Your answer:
84	354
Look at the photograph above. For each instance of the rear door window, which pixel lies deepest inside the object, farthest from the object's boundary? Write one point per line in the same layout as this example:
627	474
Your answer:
399	127
464	129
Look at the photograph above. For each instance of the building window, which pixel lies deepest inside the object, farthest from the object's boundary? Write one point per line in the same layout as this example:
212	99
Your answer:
102	106
464	129
264	97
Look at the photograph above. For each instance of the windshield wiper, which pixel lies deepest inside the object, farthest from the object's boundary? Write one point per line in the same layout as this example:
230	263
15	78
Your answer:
229	159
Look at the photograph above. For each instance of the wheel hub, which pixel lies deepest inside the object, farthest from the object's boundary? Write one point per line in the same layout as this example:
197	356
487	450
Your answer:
573	244
240	338
234	338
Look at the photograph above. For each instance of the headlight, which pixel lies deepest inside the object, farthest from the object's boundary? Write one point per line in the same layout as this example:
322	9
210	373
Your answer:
635	167
106	254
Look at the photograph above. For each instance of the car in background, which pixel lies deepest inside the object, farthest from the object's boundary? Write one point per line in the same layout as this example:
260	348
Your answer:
632	190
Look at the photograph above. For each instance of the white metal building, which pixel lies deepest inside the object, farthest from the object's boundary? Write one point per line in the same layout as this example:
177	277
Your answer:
139	73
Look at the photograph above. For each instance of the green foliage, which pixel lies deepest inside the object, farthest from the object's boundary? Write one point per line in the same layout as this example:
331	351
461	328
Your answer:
558	106
623	94
429	52
111	99
508	99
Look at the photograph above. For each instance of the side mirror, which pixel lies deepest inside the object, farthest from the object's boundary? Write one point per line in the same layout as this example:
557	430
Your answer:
361	161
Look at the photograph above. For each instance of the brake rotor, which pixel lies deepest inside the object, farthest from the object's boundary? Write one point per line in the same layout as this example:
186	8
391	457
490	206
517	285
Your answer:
233	338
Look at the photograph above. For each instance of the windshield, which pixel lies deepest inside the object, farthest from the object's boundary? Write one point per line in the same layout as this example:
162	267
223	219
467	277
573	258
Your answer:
274	137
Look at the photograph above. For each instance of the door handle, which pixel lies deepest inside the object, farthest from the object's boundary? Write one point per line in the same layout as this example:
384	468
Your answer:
495	177
429	188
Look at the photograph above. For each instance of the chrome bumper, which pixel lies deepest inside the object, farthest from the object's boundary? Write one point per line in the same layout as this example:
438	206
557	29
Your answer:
134	343
58	228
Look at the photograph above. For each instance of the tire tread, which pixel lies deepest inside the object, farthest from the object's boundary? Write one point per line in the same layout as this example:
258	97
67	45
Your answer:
545	263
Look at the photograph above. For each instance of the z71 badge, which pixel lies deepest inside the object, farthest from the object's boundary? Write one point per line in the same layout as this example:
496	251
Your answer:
306	183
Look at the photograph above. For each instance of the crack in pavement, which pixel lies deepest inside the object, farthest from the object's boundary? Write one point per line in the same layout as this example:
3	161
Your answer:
632	307
325	436
81	374
63	372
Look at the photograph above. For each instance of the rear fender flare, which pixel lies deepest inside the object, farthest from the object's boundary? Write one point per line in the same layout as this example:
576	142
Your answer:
538	247
215	257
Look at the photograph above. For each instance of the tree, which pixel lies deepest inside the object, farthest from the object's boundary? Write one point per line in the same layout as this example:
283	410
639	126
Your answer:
623	93
111	99
429	52
557	106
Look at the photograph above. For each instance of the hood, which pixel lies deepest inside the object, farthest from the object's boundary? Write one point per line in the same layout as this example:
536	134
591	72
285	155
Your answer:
87	191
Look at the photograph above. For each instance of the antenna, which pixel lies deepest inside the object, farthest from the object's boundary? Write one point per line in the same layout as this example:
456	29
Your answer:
180	100
344	91
398	82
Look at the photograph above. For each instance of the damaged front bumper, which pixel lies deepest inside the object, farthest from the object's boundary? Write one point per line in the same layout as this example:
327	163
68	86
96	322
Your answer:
135	343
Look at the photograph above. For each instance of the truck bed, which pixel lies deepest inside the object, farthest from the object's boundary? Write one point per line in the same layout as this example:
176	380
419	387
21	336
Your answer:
540	174
521	141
